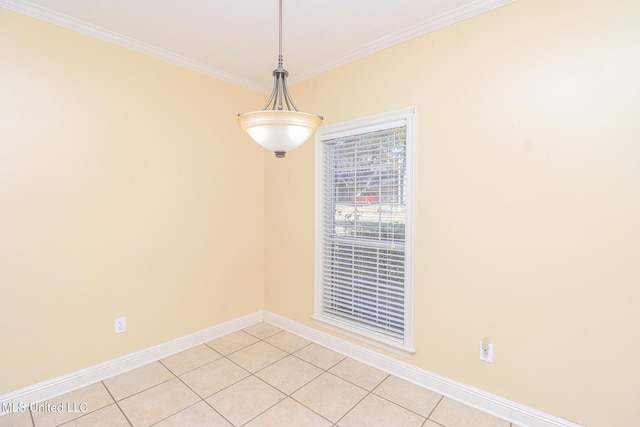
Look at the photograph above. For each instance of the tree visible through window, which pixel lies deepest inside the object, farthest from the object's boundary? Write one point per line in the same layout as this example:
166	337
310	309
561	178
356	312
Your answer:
363	189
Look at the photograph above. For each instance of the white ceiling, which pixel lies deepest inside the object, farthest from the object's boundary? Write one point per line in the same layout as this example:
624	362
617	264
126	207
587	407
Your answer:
237	40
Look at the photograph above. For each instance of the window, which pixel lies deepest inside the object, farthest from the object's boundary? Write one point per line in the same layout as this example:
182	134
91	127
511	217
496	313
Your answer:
364	228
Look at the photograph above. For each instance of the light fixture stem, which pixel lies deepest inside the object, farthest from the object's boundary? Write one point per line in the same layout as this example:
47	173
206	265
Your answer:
280	97
280	37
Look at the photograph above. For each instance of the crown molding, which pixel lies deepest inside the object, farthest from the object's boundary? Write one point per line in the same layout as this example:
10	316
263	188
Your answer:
425	27
430	25
65	21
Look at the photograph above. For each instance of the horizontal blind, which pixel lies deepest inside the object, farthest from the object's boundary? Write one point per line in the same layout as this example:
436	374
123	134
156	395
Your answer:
363	230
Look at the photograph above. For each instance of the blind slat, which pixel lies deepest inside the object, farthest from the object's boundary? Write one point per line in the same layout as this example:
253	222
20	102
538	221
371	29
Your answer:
362	225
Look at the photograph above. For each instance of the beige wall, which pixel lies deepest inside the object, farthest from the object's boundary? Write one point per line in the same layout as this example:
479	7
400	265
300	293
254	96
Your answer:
528	200
126	189
117	198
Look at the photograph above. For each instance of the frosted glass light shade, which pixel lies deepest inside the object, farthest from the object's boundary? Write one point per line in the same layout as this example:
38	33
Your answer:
279	130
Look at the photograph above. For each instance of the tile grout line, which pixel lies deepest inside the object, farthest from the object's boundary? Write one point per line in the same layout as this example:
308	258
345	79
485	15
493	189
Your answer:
369	392
224	388
372	392
353	407
202	399
279	400
90	412
149	388
33	422
193	369
116	403
224	356
284	395
287	395
290	395
434	409
324	371
174	376
141	391
426	418
216	411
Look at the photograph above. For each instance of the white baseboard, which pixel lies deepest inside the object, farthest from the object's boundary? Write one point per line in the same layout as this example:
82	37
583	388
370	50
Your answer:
75	380
514	412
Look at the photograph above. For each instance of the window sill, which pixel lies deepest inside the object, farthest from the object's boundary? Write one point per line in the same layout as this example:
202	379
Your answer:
371	339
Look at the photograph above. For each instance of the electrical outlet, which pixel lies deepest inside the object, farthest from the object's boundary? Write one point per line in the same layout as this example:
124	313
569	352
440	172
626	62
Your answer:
121	324
486	350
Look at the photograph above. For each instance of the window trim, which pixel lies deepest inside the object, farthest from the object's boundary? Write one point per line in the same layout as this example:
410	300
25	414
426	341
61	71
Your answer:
359	126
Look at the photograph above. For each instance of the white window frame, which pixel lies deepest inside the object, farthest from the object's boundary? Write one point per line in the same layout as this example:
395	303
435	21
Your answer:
354	127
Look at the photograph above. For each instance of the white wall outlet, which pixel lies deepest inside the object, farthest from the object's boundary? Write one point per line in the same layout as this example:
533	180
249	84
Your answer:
486	350
121	324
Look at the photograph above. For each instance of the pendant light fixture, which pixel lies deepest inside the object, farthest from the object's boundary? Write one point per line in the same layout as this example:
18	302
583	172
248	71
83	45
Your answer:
279	126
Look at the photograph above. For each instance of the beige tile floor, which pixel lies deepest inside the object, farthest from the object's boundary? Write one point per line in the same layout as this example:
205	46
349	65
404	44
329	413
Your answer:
260	376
